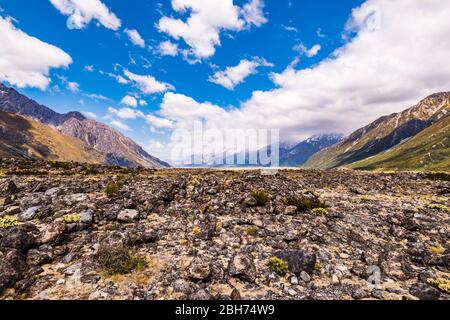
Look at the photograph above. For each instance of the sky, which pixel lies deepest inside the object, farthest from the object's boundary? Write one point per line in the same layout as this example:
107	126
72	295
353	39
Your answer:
150	68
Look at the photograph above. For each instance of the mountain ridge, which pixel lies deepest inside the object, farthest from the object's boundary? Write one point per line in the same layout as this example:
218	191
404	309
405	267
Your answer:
117	148
383	134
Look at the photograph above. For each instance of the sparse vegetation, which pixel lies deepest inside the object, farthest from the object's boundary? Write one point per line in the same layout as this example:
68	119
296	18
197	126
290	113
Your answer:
279	266
8	222
112	189
438	207
305	203
441	176
71	218
196	230
319	212
119	260
261	197
441	284
252	231
436	250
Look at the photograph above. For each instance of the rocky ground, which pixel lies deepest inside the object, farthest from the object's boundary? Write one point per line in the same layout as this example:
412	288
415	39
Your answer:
69	231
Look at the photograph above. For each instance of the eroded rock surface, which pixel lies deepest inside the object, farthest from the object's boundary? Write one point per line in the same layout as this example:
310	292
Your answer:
205	235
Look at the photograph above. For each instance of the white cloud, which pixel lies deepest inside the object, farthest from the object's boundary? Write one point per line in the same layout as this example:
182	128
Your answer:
89	114
73	87
253	13
232	76
158	122
143	103
135	37
89	68
25	61
390	64
148	84
201	30
167	48
129	101
119	124
118	77
311	52
96	96
155	145
125	113
290	29
82	12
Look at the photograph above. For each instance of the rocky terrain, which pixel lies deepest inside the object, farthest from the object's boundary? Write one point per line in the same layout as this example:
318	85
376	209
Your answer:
70	231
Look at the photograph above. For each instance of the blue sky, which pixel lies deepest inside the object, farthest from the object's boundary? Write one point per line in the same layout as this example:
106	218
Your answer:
280	43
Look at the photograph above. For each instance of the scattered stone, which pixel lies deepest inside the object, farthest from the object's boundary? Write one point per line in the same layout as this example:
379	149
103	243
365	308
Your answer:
128	215
199	270
298	260
242	266
305	276
424	291
29	214
290	210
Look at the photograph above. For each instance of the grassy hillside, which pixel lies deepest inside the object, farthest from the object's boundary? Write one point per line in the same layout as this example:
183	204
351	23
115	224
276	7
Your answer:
25	138
428	150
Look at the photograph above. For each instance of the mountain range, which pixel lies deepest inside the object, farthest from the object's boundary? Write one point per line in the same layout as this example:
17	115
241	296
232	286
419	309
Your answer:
85	140
415	139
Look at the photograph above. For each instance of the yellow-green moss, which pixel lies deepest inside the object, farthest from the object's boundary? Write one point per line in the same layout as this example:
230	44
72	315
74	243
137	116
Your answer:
279	266
438	207
112	189
71	218
441	284
196	230
7	222
319	211
251	231
304	203
261	197
436	250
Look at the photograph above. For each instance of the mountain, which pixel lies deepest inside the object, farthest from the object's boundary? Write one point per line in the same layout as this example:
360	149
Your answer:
290	154
428	150
116	148
300	153
387	134
25	138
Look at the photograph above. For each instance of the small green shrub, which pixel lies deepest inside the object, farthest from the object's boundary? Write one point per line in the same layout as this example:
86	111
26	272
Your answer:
319	212
251	231
305	203
261	197
71	218
7	222
279	266
119	260
438	207
112	189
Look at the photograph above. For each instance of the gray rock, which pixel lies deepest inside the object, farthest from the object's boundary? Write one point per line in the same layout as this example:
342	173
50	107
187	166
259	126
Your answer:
86	217
424	291
12	267
52	192
298	260
305	276
242	266
199	270
201	295
290	210
29	214
128	215
38	257
21	238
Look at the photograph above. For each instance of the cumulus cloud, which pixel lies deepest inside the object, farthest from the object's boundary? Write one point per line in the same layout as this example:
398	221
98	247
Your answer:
89	68
90	114
148	84
125	113
167	48
253	13
201	30
73	87
119	124
129	101
135	37
232	76
82	12
390	63
120	79
25	61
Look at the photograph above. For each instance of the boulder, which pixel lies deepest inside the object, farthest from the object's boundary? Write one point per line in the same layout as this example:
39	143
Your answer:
243	267
298	260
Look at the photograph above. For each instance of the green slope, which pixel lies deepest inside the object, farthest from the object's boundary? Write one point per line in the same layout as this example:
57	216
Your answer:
428	150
